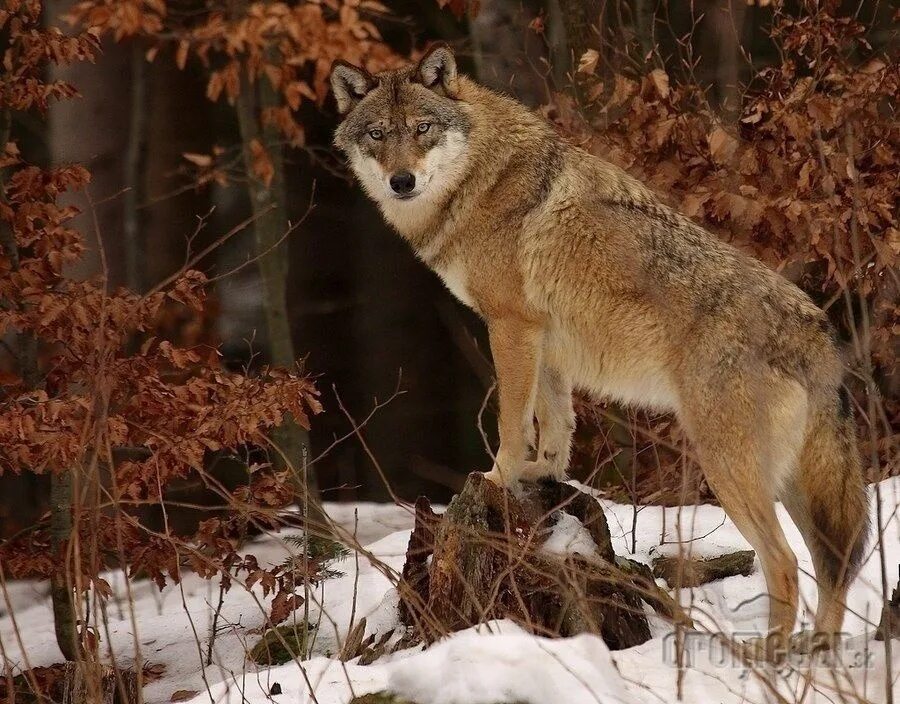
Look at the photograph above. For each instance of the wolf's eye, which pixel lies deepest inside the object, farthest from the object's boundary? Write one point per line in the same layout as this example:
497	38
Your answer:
376	134
423	127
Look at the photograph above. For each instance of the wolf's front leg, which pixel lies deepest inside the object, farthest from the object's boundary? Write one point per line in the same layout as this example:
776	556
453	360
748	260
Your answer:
556	425
516	348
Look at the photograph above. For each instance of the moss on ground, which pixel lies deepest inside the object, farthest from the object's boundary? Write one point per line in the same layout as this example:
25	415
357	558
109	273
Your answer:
281	645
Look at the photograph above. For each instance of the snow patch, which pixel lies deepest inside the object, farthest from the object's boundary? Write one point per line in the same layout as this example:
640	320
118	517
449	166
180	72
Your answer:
569	537
474	668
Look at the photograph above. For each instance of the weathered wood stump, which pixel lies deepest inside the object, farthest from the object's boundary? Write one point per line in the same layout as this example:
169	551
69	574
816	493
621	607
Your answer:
483	559
889	626
72	683
99	684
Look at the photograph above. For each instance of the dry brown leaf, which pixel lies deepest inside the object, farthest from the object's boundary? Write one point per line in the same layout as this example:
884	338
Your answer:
587	64
660	80
261	166
722	146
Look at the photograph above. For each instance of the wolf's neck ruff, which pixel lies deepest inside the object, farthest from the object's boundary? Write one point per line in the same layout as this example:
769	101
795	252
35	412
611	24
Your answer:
585	279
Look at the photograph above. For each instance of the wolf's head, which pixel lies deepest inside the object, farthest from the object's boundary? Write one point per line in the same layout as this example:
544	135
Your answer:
405	132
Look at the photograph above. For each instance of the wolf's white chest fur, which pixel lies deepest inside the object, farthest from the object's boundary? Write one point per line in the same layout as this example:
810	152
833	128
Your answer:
454	277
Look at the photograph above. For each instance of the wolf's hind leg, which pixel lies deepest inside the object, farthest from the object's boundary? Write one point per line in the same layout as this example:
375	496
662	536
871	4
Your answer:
750	504
725	429
556	424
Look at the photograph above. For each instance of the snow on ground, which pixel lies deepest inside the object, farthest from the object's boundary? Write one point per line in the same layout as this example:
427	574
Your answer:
497	662
569	537
370	521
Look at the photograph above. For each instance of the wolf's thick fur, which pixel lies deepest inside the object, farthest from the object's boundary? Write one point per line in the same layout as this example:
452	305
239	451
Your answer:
585	279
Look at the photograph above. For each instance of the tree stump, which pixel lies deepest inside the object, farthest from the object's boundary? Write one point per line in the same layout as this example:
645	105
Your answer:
483	559
889	626
84	682
98	684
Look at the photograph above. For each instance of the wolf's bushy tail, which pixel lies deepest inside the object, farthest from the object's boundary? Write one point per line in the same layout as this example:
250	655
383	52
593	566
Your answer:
831	478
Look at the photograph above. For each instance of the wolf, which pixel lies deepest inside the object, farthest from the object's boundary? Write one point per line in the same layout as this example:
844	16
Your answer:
586	280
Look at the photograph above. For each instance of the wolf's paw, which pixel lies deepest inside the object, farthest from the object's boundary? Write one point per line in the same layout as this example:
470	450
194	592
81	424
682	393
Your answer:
810	642
535	470
771	648
776	649
527	471
500	479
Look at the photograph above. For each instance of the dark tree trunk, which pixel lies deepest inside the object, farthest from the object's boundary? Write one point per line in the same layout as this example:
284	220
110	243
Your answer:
93	131
580	19
61	592
60	484
135	170
271	226
506	54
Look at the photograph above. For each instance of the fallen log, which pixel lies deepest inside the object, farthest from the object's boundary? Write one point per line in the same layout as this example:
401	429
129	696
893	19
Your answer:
378	698
691	572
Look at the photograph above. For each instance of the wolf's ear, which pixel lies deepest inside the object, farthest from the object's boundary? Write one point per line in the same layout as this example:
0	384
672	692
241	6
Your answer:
350	85
437	70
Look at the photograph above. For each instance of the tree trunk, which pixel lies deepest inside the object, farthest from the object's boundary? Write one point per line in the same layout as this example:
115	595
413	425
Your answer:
60	588
93	131
271	224
135	169
644	15
719	46
60	484
580	18
502	51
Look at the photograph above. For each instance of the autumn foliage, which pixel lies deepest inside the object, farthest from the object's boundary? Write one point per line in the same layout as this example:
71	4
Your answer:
289	46
93	390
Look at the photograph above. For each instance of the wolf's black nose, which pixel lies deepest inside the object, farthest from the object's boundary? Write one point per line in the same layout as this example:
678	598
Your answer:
403	182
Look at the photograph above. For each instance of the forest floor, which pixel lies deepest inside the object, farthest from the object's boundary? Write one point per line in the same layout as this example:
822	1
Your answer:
495	663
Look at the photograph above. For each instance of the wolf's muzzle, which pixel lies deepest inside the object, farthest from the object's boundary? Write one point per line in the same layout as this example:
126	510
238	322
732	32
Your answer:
403	182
